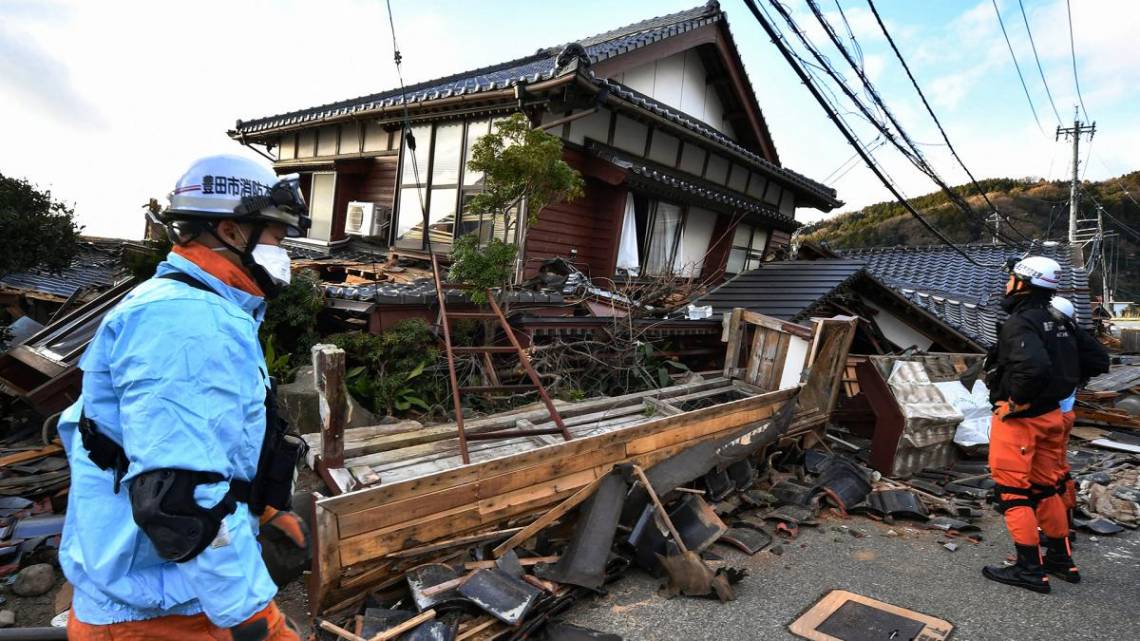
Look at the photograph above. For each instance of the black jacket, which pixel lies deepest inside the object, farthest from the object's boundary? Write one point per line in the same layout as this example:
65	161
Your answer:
1092	355
1036	360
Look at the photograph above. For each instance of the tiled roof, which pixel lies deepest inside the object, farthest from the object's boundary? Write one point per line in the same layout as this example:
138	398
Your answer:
93	268
676	181
826	195
542	65
938	279
787	290
793	290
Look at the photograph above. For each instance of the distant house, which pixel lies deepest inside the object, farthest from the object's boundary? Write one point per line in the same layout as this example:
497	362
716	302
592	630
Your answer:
929	298
682	175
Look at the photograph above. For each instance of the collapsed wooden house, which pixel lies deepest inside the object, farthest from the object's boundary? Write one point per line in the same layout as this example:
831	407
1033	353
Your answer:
417	501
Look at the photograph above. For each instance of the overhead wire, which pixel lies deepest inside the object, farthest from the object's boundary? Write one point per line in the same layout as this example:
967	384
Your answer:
911	150
929	109
1037	59
407	137
1073	52
1018	68
852	139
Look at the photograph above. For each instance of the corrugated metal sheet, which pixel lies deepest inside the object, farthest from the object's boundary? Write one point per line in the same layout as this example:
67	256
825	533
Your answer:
92	268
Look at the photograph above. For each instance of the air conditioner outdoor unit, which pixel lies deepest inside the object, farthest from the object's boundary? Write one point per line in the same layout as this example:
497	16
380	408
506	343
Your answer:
361	219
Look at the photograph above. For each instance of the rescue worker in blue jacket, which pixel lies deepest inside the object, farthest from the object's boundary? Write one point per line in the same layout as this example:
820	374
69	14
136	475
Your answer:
174	460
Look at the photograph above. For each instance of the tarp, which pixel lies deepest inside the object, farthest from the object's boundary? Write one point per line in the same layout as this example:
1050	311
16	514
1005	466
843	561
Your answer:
974	404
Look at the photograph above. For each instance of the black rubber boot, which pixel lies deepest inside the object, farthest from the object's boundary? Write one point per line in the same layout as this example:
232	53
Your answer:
1026	573
1059	560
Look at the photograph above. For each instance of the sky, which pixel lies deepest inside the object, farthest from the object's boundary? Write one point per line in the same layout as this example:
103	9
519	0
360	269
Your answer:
107	103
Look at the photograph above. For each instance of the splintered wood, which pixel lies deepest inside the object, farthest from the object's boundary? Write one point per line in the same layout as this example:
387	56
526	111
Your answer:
429	502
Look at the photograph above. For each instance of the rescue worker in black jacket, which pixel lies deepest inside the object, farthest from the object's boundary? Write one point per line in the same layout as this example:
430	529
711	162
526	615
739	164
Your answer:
1036	365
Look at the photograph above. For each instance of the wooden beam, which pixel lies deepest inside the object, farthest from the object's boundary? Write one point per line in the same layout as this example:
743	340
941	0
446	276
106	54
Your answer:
546	519
328	368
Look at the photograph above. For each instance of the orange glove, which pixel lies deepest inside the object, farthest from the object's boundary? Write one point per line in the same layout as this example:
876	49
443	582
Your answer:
285	545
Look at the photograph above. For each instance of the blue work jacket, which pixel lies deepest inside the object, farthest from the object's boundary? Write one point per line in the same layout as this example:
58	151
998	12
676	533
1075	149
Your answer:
177	377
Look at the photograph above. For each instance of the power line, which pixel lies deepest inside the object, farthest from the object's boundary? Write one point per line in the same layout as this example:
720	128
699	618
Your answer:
1041	71
778	40
1073	52
930	110
1018	68
914	154
407	137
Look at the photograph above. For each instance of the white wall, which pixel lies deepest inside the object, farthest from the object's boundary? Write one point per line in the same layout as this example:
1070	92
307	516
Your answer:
897	330
794	362
679	81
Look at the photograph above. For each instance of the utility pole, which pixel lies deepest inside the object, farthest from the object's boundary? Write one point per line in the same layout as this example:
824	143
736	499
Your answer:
1075	132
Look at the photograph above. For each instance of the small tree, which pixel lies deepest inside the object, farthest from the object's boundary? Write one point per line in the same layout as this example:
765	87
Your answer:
38	231
520	165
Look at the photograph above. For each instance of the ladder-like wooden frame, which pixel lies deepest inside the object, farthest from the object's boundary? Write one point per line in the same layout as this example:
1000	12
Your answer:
496	314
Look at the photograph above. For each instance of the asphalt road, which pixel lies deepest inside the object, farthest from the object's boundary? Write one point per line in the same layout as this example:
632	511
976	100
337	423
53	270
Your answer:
911	570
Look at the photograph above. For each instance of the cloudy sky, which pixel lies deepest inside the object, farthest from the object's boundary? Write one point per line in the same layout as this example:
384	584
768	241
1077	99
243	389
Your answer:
106	102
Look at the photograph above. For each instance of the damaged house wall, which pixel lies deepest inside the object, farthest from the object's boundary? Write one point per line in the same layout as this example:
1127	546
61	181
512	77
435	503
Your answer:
688	141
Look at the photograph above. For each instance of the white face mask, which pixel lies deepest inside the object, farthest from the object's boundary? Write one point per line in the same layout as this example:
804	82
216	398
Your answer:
276	262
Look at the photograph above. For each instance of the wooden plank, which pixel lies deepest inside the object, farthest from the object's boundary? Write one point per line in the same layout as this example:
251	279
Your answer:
546	519
662	407
371	497
328	369
508	420
779	359
30	455
326	552
732	350
767	360
760	336
775	324
470	539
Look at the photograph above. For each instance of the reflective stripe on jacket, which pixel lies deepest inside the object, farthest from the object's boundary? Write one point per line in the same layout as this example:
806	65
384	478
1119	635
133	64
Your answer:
177	377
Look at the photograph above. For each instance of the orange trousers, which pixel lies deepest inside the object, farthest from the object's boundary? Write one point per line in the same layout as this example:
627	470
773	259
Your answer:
1029	454
1069	496
186	628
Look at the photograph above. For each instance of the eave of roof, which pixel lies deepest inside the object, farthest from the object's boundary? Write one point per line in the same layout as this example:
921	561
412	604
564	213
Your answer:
542	65
823	196
649	174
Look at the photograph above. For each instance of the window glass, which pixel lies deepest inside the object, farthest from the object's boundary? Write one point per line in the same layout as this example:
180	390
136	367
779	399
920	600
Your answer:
441	214
475	131
736	260
747	249
445	163
423	152
409	220
322	193
663	238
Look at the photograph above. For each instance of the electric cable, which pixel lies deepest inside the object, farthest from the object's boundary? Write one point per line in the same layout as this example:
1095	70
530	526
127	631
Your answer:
911	151
1041	71
778	40
1018	68
929	109
407	137
1073	52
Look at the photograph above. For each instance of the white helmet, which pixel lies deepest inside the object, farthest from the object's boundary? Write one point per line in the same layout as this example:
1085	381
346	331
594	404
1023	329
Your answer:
1063	305
1038	271
237	188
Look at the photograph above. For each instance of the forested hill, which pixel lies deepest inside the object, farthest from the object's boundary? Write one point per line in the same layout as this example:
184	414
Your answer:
1038	208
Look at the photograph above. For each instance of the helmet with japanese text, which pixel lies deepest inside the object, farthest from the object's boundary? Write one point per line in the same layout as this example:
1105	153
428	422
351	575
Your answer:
1038	271
240	189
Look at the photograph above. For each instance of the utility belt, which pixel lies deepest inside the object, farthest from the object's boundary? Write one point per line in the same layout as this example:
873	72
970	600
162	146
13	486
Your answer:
281	451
